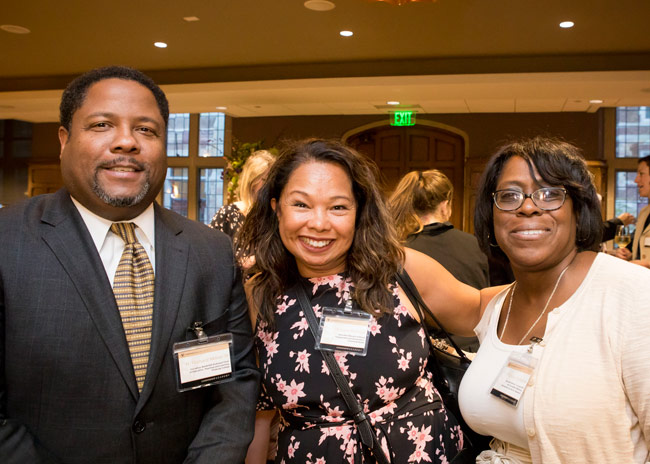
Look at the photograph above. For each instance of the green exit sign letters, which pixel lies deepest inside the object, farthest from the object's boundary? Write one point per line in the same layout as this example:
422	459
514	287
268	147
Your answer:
403	118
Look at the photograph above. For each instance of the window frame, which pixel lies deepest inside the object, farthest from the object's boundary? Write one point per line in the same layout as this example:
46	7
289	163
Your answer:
194	163
614	163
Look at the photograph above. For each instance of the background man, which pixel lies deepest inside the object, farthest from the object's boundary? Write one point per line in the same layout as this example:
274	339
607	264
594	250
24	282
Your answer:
639	250
86	376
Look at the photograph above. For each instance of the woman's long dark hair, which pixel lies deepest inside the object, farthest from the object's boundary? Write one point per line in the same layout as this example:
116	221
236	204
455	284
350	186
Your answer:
373	258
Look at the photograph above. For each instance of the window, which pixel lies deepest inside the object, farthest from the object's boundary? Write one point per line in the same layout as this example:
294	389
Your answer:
210	193
627	197
633	132
632	141
178	135
211	134
175	190
195	146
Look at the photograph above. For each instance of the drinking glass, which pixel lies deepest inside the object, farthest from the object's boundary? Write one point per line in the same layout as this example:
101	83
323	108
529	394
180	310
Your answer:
622	237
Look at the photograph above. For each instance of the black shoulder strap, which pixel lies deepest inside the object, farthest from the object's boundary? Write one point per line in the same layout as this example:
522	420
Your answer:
412	293
368	436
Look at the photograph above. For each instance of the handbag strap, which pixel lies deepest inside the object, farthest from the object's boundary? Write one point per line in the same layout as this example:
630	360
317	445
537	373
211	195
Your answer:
421	307
368	436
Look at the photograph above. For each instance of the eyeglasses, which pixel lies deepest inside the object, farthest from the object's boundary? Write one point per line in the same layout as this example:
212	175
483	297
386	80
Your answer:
546	199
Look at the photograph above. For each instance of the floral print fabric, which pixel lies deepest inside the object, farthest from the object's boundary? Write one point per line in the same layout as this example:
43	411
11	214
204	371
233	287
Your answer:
391	382
228	219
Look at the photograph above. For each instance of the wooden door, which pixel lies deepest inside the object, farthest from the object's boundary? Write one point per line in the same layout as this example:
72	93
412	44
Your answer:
399	150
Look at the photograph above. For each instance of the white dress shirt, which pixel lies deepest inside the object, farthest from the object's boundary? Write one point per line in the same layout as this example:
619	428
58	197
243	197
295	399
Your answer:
111	246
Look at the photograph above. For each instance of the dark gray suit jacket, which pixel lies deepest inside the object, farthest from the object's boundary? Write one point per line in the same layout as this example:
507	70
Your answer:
67	388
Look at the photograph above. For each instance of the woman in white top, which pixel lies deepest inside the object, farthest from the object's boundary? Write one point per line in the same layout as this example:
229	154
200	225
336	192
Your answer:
580	390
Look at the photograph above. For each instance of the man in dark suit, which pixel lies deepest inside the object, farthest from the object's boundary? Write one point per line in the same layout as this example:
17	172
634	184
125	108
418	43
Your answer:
68	388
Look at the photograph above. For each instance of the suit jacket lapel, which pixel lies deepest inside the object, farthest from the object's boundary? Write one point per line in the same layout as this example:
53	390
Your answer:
172	254
67	236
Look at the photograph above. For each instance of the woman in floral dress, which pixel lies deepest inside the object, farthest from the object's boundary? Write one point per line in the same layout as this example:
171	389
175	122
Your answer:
229	218
321	222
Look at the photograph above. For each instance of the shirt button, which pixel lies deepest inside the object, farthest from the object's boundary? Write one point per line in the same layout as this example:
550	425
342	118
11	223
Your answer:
531	432
139	426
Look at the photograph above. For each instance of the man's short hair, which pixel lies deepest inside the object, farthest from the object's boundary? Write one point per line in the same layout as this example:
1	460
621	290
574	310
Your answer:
76	91
646	160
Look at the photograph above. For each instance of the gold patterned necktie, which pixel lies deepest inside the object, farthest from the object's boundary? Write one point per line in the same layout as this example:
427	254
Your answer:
134	287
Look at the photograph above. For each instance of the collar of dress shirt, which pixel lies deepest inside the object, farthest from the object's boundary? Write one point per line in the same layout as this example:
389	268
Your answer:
99	227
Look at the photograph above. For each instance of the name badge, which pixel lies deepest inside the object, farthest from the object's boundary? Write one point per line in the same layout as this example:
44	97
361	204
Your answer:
646	242
515	375
344	330
203	362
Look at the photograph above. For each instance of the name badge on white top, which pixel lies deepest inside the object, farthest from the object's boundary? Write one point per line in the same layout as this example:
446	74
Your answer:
344	330
514	376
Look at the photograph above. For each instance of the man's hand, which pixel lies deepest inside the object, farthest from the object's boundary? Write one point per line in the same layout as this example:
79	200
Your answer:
623	253
627	219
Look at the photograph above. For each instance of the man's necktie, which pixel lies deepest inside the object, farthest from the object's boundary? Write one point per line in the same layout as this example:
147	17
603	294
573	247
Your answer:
133	287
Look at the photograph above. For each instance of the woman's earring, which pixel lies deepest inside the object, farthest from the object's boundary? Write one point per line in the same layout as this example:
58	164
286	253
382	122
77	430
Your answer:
493	245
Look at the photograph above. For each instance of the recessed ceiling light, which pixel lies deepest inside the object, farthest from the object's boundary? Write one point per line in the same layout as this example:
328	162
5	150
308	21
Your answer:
190	19
595	102
319	5
392	102
160	44
15	29
221	108
346	33
566	24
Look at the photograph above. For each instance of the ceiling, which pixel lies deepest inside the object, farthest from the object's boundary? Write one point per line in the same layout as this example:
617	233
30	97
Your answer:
277	58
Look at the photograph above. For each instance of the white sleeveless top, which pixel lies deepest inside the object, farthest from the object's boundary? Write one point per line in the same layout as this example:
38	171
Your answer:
587	400
483	412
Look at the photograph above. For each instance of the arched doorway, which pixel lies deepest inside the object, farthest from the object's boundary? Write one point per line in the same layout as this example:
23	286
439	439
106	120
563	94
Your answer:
398	150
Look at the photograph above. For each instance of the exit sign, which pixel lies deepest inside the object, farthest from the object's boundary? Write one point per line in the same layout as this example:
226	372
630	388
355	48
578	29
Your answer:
403	118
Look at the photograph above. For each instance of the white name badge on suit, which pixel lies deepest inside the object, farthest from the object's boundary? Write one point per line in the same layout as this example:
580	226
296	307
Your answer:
204	361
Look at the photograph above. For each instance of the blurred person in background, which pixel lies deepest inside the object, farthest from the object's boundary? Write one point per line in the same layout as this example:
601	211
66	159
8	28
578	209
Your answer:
638	251
421	207
229	218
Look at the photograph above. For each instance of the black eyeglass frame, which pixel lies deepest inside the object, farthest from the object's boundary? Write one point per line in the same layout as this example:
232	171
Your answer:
531	196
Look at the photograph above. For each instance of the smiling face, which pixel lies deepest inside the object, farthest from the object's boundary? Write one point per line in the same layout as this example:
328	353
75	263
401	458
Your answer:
113	158
642	179
533	239
316	214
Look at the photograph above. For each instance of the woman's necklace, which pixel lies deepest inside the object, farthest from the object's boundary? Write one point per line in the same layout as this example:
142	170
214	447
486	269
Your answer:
512	297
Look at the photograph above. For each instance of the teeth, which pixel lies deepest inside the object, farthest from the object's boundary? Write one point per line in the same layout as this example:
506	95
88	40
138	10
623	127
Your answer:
316	243
530	232
122	169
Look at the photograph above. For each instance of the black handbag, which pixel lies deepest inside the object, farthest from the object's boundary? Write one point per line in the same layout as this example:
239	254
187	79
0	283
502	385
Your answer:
447	368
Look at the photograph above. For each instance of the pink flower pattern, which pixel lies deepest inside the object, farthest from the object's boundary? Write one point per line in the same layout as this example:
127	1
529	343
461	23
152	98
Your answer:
391	383
302	360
